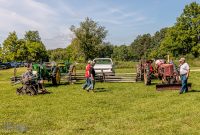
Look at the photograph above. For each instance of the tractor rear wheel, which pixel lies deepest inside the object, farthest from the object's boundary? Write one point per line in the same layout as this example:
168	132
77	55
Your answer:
31	91
56	76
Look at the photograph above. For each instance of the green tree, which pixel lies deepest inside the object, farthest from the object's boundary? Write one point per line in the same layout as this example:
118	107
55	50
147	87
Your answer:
36	49
89	35
105	50
58	54
183	37
36	52
122	53
157	38
141	46
10	47
22	50
74	51
32	36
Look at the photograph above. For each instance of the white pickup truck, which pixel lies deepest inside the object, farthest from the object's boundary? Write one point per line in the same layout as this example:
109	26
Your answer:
104	65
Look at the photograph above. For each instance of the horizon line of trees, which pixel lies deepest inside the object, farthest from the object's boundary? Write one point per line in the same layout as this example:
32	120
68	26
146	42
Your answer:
182	39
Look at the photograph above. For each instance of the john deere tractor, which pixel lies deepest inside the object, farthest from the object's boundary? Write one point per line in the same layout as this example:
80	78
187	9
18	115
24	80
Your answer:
50	71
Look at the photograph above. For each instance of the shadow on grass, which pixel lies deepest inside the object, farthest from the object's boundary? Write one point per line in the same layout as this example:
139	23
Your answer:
52	85
101	90
44	93
194	91
153	83
78	83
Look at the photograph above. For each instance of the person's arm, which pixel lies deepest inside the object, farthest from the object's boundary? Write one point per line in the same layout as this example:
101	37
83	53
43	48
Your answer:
188	71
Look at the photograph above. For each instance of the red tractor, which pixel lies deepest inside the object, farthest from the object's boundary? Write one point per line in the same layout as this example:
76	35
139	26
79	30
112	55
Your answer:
145	71
169	75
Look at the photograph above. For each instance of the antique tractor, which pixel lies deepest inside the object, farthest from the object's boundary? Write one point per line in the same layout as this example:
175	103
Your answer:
145	71
169	74
51	71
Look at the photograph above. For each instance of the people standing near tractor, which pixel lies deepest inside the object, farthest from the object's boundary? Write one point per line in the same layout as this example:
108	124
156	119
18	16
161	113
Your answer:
87	75
184	74
92	77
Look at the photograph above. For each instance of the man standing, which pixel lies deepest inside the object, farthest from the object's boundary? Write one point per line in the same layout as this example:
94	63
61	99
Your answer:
184	74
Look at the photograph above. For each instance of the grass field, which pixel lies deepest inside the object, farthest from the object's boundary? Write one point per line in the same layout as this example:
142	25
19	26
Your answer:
113	109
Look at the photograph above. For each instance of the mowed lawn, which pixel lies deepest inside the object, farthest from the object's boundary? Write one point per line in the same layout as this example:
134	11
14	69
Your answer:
113	109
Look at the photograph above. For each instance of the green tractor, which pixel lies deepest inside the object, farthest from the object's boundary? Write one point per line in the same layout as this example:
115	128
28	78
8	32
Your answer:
51	71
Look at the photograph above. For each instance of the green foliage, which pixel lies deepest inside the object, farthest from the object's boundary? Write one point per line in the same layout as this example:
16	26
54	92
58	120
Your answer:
10	47
122	53
59	54
74	51
32	36
157	38
36	50
183	38
141	46
89	35
29	49
105	50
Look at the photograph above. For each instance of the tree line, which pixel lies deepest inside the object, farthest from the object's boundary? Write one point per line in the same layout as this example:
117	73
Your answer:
181	39
29	49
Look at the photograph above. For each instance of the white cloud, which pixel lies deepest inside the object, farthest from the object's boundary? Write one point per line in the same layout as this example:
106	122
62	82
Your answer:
27	15
53	18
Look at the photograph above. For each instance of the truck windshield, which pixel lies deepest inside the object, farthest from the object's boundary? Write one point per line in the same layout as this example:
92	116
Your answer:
103	61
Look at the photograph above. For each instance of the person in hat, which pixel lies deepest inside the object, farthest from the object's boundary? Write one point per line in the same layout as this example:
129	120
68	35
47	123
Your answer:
28	75
184	74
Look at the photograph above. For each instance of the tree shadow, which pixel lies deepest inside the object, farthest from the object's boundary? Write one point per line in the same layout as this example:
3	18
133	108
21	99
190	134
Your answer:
101	90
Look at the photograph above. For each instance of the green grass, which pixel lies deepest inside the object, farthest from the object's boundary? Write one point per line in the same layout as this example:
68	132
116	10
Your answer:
114	109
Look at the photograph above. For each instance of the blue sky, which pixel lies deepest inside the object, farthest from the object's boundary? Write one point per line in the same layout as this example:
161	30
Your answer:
124	19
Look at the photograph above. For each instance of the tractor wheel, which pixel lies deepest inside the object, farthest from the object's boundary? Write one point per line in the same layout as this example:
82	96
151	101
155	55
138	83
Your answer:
19	91
56	76
31	91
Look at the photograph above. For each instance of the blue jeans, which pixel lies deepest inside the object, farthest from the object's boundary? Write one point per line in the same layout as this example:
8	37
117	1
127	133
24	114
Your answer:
91	87
184	87
87	83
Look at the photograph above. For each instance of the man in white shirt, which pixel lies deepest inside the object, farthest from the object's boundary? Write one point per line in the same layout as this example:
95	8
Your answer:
184	74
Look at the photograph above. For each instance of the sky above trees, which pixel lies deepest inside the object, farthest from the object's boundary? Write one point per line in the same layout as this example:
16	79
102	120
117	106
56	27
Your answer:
124	19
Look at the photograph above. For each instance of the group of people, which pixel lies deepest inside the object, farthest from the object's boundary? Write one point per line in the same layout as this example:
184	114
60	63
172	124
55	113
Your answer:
90	76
